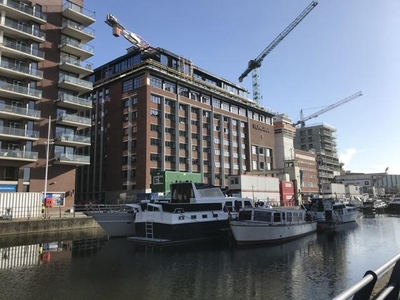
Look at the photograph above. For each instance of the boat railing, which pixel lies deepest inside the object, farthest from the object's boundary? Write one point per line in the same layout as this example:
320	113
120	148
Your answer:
367	286
102	208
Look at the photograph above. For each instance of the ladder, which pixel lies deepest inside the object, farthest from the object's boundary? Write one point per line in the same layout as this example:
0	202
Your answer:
149	230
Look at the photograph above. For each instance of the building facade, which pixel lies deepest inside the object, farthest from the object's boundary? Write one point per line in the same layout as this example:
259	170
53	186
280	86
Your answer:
42	112
156	111
321	139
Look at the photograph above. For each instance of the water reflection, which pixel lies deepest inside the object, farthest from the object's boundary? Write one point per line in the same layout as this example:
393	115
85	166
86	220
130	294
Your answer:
317	266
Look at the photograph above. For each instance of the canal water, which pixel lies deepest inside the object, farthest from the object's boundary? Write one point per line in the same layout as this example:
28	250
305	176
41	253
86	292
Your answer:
86	265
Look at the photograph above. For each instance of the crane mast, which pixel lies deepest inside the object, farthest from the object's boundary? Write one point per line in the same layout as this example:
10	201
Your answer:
119	29
328	108
256	63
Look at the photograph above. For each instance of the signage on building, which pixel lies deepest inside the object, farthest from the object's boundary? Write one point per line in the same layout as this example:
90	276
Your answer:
261	128
10	188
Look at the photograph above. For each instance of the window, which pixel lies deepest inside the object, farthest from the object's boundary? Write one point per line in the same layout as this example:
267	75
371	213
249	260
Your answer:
137	82
155	82
127	85
216	103
155	99
170	87
154	112
205	99
225	106
158	180
184	91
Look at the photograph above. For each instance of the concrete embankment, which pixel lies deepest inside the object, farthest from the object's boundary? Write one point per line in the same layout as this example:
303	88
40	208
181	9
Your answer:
24	226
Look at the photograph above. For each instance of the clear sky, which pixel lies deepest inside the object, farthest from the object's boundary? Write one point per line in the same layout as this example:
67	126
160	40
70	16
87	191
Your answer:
340	48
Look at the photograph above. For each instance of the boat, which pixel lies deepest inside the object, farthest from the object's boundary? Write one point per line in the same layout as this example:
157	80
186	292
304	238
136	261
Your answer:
331	213
115	220
194	212
394	205
267	225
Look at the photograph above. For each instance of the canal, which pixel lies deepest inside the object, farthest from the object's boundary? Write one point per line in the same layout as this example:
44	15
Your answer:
86	265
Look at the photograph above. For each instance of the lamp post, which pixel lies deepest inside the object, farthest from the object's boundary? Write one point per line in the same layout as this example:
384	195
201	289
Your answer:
47	165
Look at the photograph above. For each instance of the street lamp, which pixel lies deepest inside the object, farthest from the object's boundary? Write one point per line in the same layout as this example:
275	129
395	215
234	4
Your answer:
47	163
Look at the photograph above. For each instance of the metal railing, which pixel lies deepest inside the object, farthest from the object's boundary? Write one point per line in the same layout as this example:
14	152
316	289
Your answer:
363	289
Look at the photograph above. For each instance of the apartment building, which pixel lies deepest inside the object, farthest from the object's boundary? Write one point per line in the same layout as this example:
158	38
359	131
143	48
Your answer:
44	118
321	139
156	111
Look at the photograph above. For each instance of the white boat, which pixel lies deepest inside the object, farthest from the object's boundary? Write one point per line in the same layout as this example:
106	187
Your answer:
116	220
194	212
271	225
394	204
330	212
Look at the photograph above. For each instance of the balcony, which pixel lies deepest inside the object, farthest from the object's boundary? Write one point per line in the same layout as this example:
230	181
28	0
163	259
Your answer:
77	31
75	84
74	102
18	71
13	91
19	51
71	159
72	140
12	112
76	48
76	66
19	31
23	12
74	121
78	13
12	134
18	155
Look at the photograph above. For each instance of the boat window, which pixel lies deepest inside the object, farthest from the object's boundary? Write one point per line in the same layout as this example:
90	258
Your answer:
277	217
289	216
264	216
247	204
244	215
228	206
204	216
215	215
193	217
238	205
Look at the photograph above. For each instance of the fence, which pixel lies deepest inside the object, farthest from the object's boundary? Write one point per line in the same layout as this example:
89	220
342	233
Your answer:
363	289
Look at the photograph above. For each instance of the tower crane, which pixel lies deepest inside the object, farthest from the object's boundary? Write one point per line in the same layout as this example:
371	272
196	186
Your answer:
256	63
328	108
119	29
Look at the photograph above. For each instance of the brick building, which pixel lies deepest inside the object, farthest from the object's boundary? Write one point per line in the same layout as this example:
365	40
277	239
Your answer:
43	48
156	111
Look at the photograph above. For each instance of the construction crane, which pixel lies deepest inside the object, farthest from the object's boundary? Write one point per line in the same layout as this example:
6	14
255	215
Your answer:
328	108
119	29
256	63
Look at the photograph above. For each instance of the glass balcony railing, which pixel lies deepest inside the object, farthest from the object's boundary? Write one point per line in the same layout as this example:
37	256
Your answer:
76	62
19	132
73	138
64	97
22	48
20	89
74	119
20	110
79	9
20	68
77	26
76	44
24	8
26	29
18	154
75	80
69	157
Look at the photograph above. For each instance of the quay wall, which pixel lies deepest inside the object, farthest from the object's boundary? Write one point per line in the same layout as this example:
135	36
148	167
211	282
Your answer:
18	226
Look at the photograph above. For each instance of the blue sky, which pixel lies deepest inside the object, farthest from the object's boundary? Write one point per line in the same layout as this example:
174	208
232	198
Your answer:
340	48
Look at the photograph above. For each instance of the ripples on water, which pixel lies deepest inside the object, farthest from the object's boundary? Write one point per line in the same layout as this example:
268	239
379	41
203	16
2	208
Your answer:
85	265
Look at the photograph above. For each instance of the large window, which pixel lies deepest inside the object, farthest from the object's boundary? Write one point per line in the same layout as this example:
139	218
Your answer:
127	85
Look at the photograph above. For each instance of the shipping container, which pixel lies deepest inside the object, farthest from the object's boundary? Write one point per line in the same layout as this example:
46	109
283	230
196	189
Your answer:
336	190
20	205
258	188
